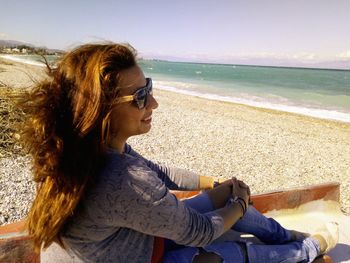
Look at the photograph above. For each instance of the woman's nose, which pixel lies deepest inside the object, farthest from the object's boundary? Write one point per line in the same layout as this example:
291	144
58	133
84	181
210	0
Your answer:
153	104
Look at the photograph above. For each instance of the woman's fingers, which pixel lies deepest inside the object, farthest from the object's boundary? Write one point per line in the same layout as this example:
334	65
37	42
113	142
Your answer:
239	188
228	181
244	185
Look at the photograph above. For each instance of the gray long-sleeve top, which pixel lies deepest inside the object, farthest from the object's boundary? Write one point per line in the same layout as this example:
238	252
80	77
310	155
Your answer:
129	204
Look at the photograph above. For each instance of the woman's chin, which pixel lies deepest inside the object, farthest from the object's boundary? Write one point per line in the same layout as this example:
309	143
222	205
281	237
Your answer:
146	127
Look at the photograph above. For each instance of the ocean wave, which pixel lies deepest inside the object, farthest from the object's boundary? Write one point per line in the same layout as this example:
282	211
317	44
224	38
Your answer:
256	101
24	60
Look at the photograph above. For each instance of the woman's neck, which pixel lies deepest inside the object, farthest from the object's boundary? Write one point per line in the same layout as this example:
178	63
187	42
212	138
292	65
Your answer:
117	145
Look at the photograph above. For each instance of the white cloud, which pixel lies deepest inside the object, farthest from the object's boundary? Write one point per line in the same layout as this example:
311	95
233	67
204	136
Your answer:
3	35
304	56
299	59
232	57
345	54
296	56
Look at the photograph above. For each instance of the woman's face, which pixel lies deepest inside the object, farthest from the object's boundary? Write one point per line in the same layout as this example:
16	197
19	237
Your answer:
126	118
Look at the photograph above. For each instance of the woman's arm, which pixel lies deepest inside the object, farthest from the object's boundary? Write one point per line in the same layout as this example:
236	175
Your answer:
217	200
174	178
220	195
133	197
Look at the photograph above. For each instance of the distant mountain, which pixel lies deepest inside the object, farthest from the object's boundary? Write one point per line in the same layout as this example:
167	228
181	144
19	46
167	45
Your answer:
13	43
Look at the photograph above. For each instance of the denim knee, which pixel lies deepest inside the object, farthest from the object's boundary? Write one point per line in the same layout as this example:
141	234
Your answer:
229	251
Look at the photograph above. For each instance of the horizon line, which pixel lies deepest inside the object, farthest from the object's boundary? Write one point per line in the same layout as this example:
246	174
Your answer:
245	65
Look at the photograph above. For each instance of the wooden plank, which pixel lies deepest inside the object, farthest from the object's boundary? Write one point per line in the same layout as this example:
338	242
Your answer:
295	197
283	199
18	249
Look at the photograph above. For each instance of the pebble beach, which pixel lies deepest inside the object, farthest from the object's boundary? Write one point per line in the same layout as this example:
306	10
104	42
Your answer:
267	149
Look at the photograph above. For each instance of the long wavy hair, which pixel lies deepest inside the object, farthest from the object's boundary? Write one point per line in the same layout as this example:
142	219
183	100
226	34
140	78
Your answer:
66	132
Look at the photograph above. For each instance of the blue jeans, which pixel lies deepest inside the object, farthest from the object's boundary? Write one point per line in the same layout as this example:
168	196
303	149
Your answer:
277	246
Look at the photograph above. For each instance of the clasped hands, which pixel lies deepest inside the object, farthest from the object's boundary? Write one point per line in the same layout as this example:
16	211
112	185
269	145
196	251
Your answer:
240	192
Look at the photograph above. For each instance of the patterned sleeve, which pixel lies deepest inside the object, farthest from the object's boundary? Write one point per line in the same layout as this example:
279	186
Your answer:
142	202
174	178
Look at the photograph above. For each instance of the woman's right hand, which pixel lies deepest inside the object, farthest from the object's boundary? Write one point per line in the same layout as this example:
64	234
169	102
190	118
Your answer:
240	189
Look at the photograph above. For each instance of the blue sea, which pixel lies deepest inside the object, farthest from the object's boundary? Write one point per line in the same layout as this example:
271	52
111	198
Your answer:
322	93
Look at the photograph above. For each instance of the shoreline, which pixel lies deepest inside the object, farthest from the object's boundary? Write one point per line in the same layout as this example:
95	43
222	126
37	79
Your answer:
21	61
300	110
267	149
262	109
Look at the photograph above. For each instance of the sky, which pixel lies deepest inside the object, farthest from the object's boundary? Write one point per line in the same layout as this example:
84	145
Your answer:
266	32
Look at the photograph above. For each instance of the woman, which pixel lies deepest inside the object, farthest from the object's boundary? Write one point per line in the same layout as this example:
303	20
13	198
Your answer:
104	202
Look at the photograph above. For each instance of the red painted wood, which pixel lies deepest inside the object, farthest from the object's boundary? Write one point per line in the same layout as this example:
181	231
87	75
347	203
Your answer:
18	249
323	259
11	228
289	198
292	198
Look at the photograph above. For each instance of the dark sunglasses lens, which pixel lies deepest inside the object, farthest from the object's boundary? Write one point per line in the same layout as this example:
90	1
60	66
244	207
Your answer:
141	98
141	95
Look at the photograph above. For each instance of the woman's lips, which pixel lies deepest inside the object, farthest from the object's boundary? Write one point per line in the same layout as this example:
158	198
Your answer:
148	119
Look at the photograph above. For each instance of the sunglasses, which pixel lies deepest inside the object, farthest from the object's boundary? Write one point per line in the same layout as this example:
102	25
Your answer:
140	97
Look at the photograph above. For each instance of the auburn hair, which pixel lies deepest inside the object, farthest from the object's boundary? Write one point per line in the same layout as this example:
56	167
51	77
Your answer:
67	117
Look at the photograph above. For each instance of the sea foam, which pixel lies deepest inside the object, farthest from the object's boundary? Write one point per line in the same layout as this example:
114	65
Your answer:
23	59
258	102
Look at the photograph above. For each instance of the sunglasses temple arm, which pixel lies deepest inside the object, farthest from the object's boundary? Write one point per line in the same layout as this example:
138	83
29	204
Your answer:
125	99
